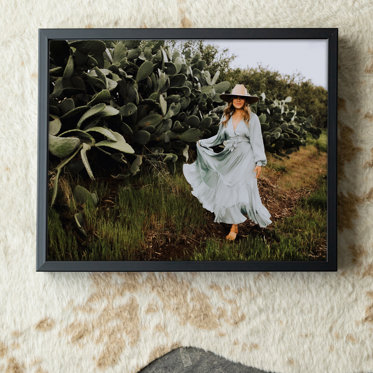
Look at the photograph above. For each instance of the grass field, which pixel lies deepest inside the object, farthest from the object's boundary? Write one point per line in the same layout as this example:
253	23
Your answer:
154	216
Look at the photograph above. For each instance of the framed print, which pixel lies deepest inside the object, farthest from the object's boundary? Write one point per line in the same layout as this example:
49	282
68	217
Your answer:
187	150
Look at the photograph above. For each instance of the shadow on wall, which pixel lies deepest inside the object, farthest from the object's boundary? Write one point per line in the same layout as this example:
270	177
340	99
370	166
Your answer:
196	360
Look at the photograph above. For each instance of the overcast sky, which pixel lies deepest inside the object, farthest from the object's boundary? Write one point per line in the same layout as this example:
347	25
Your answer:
309	57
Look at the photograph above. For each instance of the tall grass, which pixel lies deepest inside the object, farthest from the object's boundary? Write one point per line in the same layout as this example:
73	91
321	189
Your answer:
321	143
155	203
62	244
296	237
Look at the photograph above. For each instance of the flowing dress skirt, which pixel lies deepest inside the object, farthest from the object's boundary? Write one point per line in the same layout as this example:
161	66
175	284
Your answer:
225	184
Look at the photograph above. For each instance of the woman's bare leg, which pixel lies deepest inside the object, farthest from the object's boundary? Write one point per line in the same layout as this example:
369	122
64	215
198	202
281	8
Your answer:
233	233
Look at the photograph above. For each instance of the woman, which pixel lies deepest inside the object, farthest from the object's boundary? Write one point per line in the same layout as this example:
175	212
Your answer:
226	182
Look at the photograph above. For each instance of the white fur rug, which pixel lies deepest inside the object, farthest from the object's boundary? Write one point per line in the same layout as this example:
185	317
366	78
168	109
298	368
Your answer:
283	322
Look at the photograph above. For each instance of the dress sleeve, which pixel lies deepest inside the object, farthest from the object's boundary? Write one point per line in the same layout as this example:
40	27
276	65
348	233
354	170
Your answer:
214	140
257	144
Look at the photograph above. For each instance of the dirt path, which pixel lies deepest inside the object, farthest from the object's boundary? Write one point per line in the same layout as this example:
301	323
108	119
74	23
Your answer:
281	185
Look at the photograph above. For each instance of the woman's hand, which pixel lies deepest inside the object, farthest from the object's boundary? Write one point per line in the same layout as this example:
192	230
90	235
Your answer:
258	170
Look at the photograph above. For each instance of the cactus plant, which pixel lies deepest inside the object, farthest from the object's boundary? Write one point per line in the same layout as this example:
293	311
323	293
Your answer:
119	96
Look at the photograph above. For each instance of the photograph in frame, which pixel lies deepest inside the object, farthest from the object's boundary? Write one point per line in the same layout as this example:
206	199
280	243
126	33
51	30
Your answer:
187	149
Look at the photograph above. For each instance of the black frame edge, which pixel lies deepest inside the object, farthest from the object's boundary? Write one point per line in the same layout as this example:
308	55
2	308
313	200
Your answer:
42	265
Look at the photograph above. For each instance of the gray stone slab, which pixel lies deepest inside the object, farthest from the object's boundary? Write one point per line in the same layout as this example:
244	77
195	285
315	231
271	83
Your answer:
195	360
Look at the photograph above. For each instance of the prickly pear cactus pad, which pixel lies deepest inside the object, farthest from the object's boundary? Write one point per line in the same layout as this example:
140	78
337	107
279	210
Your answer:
135	102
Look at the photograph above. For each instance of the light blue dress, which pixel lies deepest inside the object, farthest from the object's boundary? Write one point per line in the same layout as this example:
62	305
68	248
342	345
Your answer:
225	183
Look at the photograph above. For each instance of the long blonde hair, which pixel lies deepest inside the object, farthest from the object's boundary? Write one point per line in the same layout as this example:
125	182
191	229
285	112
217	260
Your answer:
230	109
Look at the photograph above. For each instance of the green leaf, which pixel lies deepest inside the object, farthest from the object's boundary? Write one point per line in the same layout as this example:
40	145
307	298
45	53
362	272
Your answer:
163	79
185	101
104	131
83	195
222	87
83	154
102	96
173	110
121	176
81	133
208	89
142	137
100	74
120	144
62	146
59	168
67	87
120	52
95	48
205	123
109	111
190	135
58	88
111	84
115	77
91	112
171	69
167	136
54	125
69	68
67	105
163	104
95	81
215	78
177	80
207	77
177	126
79	219
150	120
126	129
164	55
262	118
185	153
95	198
79	222
74	112
144	70
56	71
170	157
148	53
133	54
135	167
132	93
128	110
178	64
193	121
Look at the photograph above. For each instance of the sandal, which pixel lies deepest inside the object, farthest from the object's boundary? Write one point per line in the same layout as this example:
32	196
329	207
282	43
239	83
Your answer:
232	234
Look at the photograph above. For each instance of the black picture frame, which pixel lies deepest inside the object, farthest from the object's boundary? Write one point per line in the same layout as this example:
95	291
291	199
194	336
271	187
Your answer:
330	264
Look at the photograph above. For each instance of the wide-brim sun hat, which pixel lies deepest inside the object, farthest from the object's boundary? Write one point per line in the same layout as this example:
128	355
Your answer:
239	90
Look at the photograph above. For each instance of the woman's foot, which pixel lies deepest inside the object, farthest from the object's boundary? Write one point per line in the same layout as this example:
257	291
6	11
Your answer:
233	233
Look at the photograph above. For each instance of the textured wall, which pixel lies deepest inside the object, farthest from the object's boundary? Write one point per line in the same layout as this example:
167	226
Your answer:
285	322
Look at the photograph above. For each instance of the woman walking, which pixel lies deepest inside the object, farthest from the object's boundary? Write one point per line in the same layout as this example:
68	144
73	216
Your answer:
226	182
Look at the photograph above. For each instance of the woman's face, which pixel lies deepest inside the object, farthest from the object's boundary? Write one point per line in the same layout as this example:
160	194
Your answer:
238	102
